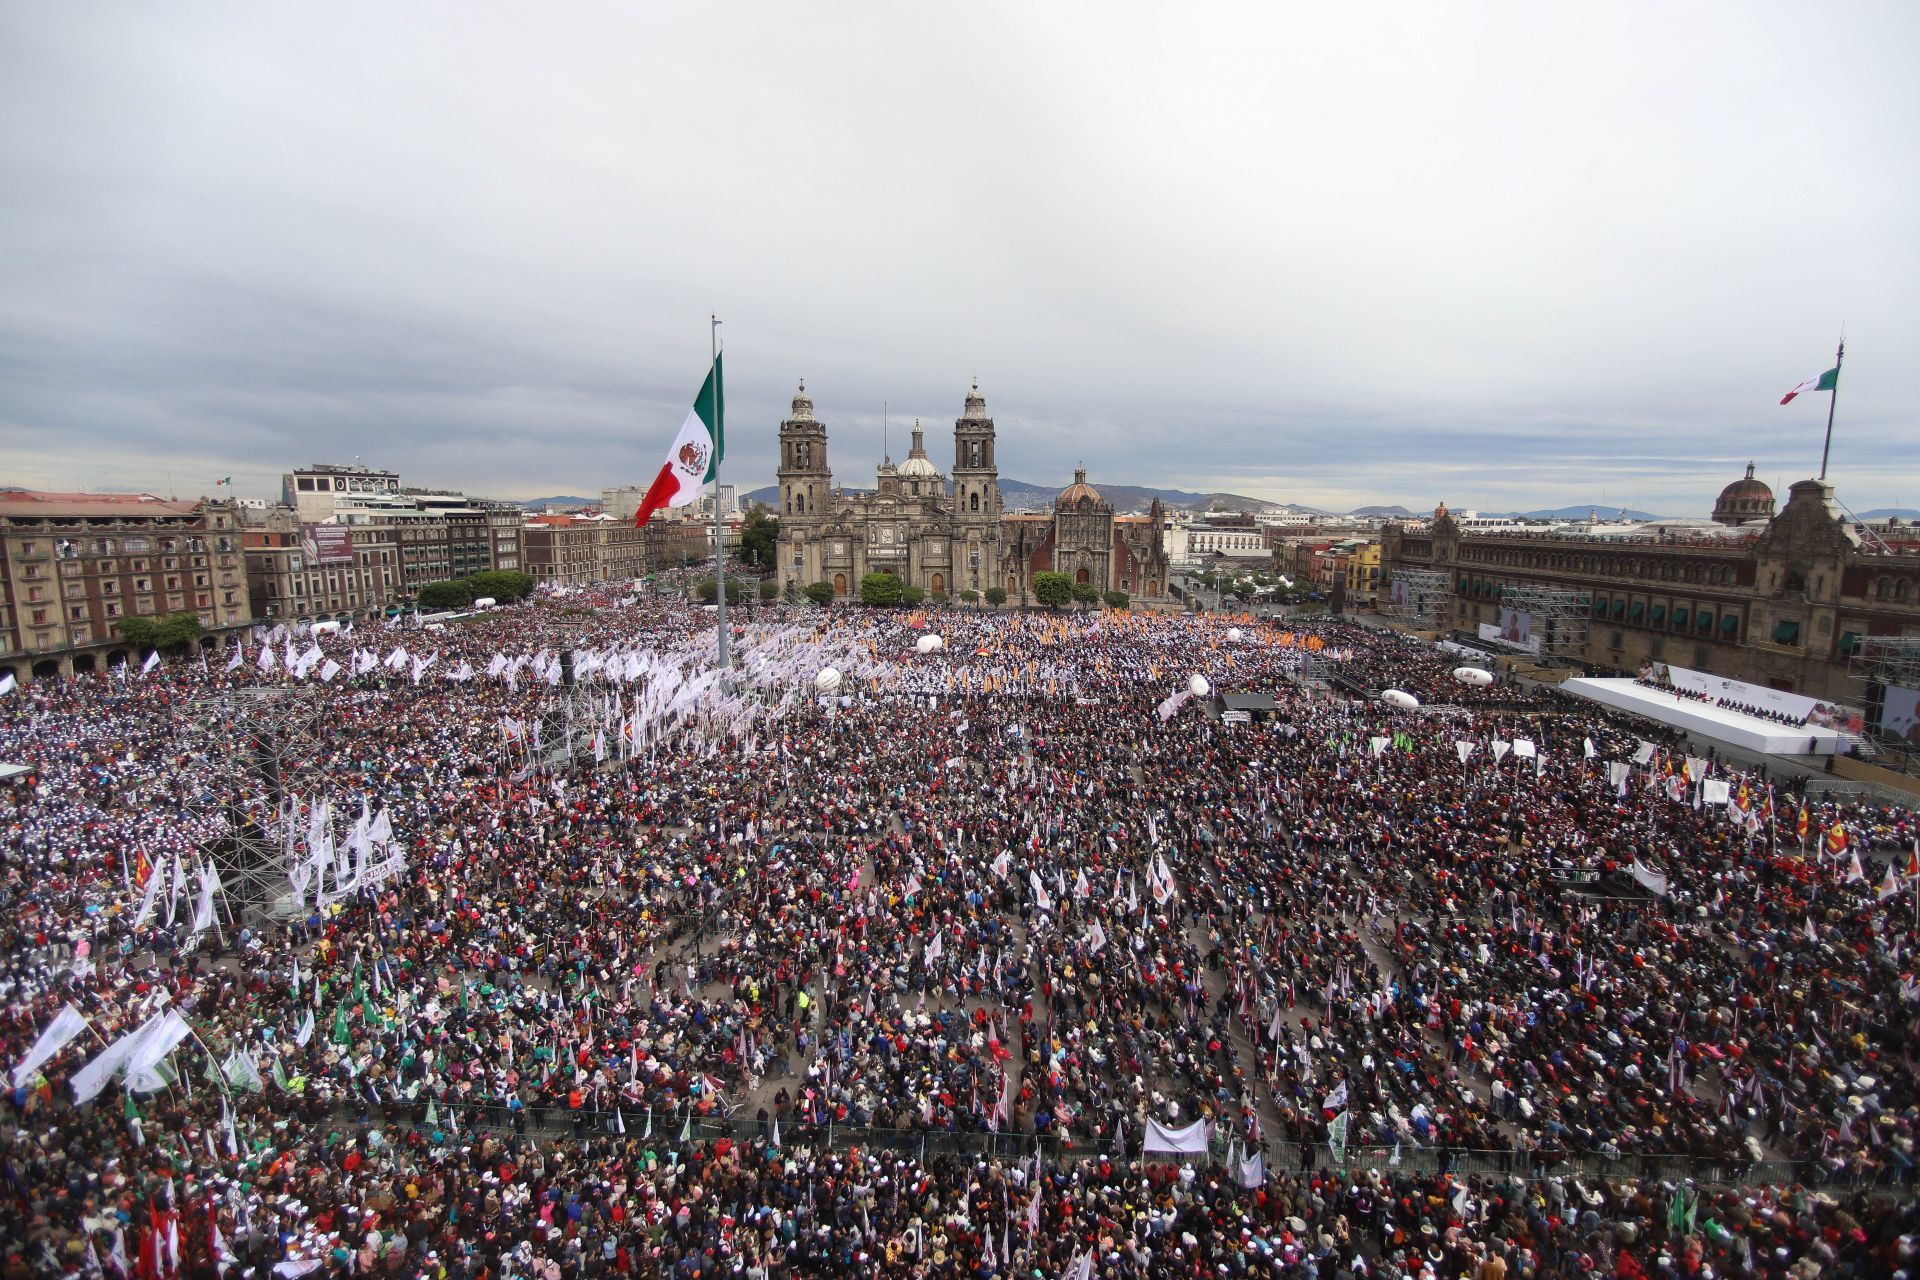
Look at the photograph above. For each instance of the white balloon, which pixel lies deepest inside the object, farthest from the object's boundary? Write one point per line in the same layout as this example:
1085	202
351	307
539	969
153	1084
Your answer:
1198	686
1233	635
926	644
1472	675
827	681
1400	698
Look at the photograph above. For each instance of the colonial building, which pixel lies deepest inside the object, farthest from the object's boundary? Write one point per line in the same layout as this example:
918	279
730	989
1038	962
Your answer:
1772	599
74	564
948	535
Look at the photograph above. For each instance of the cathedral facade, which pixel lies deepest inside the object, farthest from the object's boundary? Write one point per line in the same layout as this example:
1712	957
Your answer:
948	535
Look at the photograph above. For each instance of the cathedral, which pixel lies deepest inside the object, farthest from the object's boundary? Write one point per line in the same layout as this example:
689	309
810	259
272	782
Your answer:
948	535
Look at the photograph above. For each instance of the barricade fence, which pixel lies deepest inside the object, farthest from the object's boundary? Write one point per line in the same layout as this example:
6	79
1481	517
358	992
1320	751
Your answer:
1280	1157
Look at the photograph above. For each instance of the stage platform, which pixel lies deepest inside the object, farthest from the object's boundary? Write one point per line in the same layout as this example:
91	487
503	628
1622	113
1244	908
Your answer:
1706	720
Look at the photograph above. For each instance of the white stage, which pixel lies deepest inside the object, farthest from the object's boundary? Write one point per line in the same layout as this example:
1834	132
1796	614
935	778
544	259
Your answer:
1707	720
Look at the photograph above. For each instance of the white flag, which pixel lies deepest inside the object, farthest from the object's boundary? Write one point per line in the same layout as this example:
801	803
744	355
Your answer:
239	656
153	660
65	1026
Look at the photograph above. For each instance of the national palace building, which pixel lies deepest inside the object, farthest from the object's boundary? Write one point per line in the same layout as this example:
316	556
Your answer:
949	535
1773	598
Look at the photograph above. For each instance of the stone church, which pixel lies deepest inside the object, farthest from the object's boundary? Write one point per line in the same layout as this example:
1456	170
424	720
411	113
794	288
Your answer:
948	535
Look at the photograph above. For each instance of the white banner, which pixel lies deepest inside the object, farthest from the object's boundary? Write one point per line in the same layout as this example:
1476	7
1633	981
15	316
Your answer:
1190	1141
65	1026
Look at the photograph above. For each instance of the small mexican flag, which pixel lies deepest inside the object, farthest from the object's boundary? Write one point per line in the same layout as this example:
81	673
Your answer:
1825	382
694	458
227	481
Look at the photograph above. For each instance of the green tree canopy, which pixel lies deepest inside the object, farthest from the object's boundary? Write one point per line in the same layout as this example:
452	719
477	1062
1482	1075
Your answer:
159	633
880	590
821	593
911	595
1052	589
759	533
1117	599
455	593
996	596
501	584
1085	593
708	593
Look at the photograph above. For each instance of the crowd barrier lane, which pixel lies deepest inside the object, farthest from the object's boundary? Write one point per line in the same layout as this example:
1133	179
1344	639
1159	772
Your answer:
1281	1157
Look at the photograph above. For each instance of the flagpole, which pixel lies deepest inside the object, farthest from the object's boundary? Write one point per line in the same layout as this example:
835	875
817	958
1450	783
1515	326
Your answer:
719	537
1833	398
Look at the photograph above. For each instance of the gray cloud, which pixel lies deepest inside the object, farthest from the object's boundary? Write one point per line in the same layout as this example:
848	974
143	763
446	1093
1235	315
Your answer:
1493	255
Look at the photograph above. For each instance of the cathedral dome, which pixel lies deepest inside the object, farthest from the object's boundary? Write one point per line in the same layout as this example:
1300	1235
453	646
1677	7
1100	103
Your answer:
1078	491
918	464
1745	499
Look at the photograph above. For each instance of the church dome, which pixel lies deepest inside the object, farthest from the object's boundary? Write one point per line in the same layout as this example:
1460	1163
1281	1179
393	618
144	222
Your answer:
1745	499
918	464
1078	491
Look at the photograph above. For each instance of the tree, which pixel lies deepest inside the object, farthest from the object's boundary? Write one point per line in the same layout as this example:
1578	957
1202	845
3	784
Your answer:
821	593
159	633
970	596
1208	578
912	595
1085	593
710	594
501	584
769	588
759	533
996	596
456	593
1052	589
1117	599
880	590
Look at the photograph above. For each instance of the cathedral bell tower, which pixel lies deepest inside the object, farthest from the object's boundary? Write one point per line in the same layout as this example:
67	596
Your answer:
976	496
805	483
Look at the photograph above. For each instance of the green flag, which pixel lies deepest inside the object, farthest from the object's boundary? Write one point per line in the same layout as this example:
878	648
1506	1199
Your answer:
340	1034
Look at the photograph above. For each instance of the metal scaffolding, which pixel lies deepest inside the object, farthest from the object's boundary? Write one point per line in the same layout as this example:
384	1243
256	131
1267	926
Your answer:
1421	598
1561	616
261	743
1886	660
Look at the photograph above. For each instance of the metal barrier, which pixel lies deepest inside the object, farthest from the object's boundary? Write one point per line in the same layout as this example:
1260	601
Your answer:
1281	1156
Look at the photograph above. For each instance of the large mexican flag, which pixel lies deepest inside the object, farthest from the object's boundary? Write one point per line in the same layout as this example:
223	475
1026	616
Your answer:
694	458
1824	382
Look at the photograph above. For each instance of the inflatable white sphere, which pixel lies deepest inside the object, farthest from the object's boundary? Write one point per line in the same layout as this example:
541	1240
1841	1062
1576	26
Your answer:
1472	675
1400	698
1199	687
939	643
827	681
1233	635
926	644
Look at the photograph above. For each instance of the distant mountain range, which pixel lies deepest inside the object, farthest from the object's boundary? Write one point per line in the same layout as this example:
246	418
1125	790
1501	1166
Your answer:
1577	511
1891	513
1389	512
559	500
1019	495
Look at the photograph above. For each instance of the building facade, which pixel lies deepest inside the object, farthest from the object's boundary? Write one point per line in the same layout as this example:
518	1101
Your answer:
73	564
1773	600
944	535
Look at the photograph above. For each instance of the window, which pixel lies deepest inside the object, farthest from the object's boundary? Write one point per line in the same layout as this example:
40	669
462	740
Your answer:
1786	631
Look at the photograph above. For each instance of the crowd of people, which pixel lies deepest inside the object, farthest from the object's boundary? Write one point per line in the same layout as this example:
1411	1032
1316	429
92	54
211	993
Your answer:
580	962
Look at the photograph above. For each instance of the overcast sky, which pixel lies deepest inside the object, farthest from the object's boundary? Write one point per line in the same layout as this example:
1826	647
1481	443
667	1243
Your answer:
1496	255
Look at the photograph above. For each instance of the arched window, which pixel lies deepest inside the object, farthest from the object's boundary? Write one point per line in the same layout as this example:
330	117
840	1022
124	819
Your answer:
973	502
